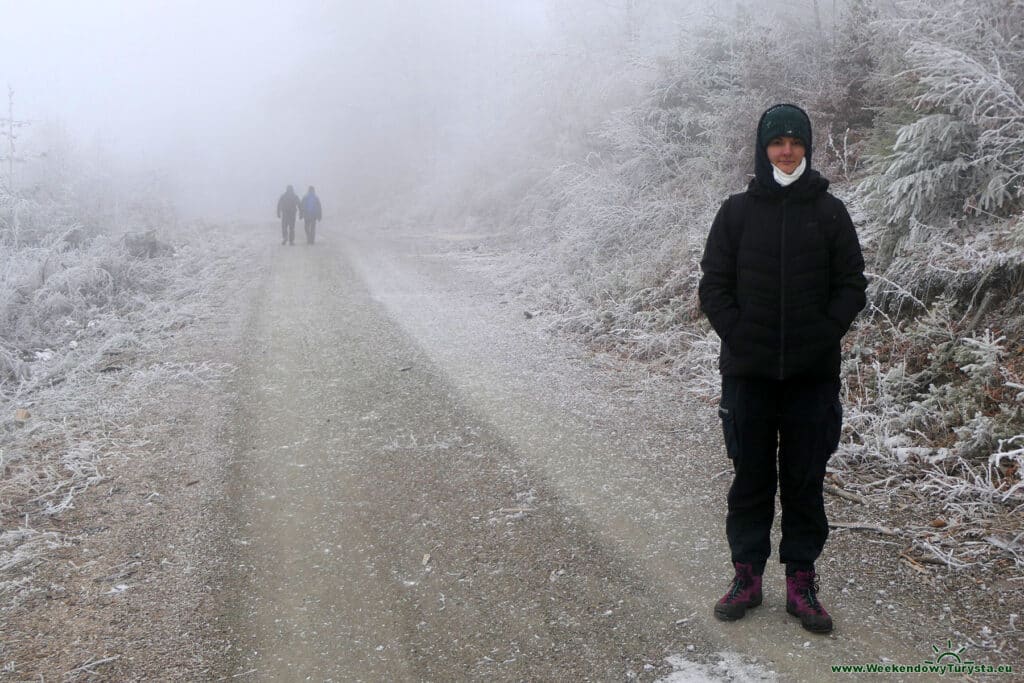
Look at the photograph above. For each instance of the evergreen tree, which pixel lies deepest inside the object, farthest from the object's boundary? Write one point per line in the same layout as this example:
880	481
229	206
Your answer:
963	150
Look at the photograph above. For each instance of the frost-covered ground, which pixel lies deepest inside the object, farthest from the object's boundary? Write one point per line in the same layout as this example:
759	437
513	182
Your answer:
603	476
866	573
730	668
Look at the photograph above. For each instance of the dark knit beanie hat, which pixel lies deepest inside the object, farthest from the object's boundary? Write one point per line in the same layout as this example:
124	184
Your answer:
784	120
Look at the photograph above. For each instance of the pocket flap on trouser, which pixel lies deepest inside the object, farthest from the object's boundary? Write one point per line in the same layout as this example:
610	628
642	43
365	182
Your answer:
729	431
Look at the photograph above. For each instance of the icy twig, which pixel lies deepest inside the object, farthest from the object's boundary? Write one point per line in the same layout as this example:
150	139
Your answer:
89	666
863	526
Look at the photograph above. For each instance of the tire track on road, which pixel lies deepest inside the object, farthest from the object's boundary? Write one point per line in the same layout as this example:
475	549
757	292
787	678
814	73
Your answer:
388	532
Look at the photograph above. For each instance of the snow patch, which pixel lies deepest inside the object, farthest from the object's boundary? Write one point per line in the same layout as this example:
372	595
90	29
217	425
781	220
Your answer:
731	667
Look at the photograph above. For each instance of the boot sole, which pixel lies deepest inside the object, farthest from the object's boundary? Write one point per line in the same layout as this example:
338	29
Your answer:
813	628
723	615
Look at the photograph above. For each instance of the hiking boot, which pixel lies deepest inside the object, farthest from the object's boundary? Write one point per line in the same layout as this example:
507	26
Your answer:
744	593
802	602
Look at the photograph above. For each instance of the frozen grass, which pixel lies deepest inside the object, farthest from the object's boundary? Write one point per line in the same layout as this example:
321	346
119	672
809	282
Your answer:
86	327
934	412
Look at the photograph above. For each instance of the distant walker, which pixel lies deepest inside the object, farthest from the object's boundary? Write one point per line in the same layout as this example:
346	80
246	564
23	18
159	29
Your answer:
311	213
287	206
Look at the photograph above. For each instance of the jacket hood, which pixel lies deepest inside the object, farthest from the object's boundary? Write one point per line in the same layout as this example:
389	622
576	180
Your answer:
764	178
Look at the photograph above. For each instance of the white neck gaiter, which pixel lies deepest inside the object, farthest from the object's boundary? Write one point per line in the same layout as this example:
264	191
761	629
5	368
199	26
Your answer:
787	179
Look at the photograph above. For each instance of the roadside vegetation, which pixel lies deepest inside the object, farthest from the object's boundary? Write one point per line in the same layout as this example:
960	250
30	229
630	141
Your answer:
96	276
918	108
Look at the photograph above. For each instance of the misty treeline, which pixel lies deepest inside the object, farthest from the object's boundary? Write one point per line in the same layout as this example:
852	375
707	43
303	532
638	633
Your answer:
919	123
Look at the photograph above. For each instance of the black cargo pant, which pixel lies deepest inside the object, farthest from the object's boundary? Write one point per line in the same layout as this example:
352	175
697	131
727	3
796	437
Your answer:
779	434
287	227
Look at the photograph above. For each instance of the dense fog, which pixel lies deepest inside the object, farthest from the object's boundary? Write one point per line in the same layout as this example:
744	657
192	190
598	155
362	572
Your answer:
535	169
225	103
592	141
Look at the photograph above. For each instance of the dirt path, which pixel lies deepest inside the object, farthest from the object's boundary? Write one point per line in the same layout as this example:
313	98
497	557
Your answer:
391	533
427	489
394	475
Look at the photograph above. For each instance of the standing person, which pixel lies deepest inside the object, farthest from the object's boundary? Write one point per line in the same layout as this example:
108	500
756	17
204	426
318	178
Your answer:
287	206
311	213
783	280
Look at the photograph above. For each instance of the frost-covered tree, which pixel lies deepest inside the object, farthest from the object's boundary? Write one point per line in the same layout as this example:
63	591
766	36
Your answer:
962	151
848	96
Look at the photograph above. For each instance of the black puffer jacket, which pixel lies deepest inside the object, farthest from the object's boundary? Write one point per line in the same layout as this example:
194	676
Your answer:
783	277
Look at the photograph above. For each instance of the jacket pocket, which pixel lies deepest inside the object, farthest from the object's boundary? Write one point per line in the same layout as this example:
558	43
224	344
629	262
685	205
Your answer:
833	426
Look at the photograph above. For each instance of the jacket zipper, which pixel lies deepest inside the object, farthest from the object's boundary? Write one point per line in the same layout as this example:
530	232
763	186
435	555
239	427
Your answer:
782	293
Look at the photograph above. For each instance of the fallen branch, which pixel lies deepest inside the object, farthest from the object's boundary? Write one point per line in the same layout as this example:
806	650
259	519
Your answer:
842	493
861	526
914	563
1012	547
937	557
722	474
87	667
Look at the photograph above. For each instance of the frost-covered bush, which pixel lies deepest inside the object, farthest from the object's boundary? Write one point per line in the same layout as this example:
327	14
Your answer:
85	349
935	406
933	386
87	306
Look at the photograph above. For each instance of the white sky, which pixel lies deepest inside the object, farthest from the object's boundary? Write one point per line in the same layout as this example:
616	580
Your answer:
134	69
239	98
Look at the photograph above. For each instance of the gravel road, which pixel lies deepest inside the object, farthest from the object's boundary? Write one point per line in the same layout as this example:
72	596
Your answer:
379	469
426	487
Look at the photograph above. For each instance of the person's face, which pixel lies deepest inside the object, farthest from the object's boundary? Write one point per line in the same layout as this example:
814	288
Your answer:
786	153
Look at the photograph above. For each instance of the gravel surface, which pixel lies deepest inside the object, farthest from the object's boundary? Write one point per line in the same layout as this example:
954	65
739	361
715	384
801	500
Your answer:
406	478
